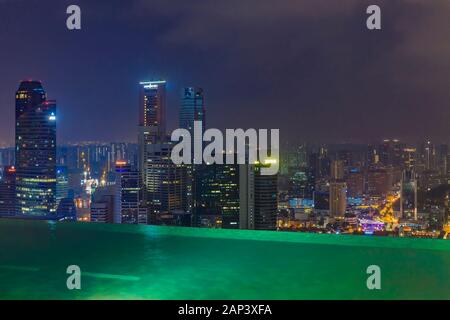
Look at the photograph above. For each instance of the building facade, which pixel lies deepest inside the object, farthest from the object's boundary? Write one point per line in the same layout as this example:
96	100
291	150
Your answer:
35	152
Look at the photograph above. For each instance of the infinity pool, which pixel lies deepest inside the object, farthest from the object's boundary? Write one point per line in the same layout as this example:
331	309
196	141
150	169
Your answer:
150	262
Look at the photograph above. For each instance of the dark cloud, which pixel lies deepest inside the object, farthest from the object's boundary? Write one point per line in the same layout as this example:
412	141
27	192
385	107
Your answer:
310	67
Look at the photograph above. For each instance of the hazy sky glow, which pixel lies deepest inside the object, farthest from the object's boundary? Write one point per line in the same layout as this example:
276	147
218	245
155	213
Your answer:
308	67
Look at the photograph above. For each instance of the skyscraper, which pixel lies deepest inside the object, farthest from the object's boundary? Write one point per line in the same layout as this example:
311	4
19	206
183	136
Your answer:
217	202
266	199
152	110
152	125
338	198
35	152
192	109
62	183
164	181
129	203
408	195
337	170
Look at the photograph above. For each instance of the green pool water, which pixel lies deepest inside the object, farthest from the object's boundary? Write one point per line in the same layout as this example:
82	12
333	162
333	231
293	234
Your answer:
150	262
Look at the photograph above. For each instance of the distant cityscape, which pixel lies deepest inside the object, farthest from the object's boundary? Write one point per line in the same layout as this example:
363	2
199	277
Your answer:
386	188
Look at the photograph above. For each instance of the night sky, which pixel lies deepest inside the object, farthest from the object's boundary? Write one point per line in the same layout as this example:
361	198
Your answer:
308	67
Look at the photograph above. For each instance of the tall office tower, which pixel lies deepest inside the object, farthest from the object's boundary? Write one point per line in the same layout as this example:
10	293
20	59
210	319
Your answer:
320	163
338	198
152	108
62	183
152	124
35	152
164	181
192	109
235	196
217	199
266	199
8	192
408	195
247	196
128	207
337	170
338	189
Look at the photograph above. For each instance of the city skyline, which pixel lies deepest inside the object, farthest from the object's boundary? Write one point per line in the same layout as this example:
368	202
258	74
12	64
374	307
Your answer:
342	84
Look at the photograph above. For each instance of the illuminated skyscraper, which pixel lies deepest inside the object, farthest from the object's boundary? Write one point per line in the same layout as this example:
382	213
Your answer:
266	199
35	152
164	182
152	110
152	125
62	183
217	192
129	207
192	109
258	198
338	198
408	195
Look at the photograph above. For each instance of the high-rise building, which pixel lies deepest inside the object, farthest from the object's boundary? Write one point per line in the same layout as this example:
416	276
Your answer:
217	196
152	110
192	109
35	152
233	196
266	199
338	198
337	170
152	131
164	181
408	195
8	191
129	203
320	163
62	183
